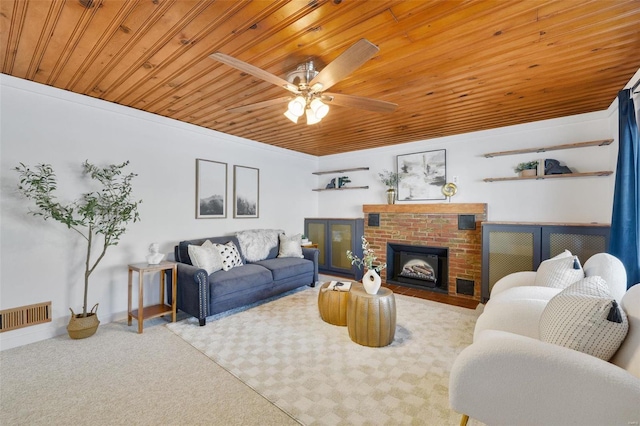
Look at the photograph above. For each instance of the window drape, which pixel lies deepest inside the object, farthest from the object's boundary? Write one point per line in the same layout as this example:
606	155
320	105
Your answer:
625	220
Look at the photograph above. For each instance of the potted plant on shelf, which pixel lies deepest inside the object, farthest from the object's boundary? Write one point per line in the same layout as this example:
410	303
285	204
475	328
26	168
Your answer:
527	169
391	180
103	213
371	280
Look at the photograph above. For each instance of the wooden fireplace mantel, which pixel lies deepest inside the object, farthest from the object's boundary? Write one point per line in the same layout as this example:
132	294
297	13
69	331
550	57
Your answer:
442	208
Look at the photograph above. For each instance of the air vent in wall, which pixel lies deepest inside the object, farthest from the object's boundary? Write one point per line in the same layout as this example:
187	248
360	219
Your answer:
24	316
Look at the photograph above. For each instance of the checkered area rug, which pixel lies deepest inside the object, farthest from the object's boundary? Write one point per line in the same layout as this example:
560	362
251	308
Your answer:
315	373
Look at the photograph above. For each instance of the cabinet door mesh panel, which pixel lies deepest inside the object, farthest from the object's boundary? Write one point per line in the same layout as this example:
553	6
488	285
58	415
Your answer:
340	242
583	246
316	233
509	252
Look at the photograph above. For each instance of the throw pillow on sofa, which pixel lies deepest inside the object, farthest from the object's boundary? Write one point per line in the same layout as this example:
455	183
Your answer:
205	256
559	272
290	246
259	244
585	317
230	255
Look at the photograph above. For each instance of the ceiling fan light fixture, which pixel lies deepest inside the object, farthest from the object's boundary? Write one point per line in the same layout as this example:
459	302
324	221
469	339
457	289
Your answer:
311	117
292	117
297	106
320	109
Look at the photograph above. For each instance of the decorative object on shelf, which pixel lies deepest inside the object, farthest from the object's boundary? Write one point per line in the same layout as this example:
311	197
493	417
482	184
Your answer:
331	185
343	180
553	167
211	189
449	190
369	280
391	180
154	257
423	174
305	240
105	212
246	192
527	169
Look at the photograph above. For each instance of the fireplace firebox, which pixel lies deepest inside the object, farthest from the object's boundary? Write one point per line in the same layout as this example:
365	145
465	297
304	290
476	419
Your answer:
418	266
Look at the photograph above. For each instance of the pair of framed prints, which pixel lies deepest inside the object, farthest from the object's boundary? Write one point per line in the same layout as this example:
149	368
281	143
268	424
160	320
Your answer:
211	190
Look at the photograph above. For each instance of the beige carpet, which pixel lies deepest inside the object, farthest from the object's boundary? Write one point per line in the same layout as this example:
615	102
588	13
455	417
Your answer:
314	372
119	377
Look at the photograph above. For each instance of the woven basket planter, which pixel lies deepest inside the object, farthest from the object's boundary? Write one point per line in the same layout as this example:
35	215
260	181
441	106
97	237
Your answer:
82	327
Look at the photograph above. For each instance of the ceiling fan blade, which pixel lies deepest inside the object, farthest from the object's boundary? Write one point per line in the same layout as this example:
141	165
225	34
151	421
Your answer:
259	105
254	71
359	102
350	60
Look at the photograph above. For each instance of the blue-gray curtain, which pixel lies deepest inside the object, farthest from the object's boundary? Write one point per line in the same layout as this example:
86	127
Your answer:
625	220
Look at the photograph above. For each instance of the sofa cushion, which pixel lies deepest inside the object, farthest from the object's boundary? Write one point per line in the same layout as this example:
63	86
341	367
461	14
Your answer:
230	255
610	269
287	267
244	278
585	317
182	249
628	355
258	244
205	256
559	272
290	246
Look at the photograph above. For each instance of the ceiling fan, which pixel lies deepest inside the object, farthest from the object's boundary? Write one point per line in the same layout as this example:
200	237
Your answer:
307	85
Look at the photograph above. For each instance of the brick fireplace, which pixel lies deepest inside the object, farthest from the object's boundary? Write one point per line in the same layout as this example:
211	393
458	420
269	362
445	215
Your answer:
451	226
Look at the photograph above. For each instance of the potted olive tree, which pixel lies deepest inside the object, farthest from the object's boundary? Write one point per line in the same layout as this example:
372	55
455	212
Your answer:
100	217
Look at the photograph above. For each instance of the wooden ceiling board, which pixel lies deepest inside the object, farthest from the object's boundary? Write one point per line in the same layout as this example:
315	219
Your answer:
451	66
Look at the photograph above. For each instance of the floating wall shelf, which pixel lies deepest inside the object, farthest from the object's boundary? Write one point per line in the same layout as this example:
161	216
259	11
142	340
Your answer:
356	169
328	172
566	175
603	142
340	189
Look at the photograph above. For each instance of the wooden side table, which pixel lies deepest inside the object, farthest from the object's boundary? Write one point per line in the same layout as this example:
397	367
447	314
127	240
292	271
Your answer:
160	309
371	318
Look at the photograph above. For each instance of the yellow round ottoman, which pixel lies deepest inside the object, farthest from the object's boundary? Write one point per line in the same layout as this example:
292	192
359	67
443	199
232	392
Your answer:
332	305
371	318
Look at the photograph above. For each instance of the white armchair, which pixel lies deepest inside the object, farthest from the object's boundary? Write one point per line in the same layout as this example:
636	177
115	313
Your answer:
510	377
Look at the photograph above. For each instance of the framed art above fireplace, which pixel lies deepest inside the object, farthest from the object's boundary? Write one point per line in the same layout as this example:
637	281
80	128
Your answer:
423	175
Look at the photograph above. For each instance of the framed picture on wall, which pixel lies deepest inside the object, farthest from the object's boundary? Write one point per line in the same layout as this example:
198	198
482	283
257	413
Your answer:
246	192
423	175
211	189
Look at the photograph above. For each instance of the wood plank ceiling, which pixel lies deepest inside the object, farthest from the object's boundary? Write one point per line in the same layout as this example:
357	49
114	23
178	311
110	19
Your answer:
451	66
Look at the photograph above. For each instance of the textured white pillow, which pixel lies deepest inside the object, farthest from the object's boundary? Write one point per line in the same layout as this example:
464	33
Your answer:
565	253
205	256
559	272
290	246
230	255
580	318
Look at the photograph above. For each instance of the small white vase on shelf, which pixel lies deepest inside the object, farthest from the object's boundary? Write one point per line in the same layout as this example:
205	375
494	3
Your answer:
371	281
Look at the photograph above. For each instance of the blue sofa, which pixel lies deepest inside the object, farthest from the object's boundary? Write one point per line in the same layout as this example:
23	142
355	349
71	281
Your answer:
203	295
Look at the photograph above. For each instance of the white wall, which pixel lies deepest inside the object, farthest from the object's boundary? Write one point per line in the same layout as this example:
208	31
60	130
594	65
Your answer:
42	261
551	200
